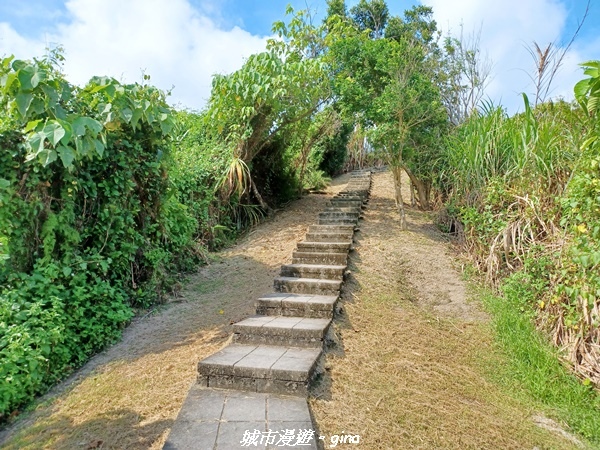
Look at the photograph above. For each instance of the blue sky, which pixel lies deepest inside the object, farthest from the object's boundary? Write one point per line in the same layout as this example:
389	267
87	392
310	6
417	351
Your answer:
182	43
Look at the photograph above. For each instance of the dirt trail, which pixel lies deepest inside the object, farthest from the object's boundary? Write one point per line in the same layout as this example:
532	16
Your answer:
406	373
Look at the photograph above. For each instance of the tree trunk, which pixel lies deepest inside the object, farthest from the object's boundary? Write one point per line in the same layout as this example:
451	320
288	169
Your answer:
423	190
261	201
397	172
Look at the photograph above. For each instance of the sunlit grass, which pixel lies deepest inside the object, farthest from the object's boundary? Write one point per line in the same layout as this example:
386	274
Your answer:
534	365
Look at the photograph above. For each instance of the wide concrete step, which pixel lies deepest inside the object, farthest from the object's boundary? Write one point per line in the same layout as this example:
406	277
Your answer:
279	330
220	418
301	257
298	305
260	368
348	197
328	237
359	190
307	286
323	247
320	271
362	194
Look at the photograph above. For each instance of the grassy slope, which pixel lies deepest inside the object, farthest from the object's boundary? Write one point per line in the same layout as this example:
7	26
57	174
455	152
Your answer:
407	377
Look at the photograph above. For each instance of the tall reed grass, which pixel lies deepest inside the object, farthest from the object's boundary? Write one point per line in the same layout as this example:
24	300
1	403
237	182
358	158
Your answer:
522	190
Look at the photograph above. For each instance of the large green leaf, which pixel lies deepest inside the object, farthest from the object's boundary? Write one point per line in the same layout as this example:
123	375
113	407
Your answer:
23	101
31	125
25	76
581	88
37	76
80	125
47	156
36	142
7	80
67	155
68	131
592	104
54	132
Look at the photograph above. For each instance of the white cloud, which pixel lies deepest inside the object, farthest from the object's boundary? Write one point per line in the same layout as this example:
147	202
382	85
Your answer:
13	43
507	28
168	39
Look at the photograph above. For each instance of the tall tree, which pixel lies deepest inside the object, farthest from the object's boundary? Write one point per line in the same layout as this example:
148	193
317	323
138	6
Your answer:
272	92
336	8
465	75
387	85
371	15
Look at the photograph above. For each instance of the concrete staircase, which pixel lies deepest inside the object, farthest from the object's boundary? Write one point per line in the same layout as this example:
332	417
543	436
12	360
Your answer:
277	350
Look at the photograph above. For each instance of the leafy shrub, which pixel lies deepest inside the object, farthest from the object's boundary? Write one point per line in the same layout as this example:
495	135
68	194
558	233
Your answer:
527	190
90	226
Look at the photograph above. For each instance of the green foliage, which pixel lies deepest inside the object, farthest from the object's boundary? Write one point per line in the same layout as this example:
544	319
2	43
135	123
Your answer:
527	190
387	85
197	164
535	369
88	224
51	321
587	91
263	107
336	7
371	16
331	152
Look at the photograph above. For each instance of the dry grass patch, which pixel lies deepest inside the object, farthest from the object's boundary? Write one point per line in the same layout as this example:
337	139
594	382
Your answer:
129	396
125	404
411	375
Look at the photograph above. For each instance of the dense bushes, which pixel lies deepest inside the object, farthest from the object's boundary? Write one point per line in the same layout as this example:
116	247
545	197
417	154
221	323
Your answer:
90	226
526	189
106	195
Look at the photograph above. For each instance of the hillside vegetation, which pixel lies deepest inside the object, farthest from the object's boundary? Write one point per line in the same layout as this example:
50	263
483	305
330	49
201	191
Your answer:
108	195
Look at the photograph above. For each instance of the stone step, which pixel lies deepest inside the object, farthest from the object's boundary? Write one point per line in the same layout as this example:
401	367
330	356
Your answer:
323	247
345	203
337	221
279	330
314	286
320	258
360	193
349	196
339	213
300	305
349	229
343	217
328	237
342	209
320	271
352	197
260	368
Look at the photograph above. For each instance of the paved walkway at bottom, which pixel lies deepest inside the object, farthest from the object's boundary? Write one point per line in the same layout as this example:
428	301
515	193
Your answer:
220	419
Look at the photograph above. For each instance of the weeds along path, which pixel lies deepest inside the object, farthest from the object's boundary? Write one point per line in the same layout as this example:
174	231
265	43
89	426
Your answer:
411	369
415	357
128	396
